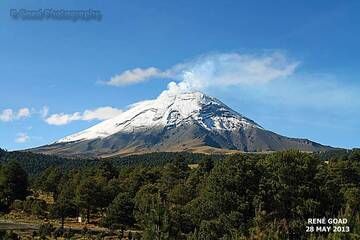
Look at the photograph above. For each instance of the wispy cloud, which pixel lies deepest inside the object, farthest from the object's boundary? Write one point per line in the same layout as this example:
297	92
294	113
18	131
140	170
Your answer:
22	138
44	112
231	70
8	115
313	91
269	76
101	113
212	70
23	113
134	76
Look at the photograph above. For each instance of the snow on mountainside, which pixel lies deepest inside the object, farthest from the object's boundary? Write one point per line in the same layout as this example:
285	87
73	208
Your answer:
168	111
174	122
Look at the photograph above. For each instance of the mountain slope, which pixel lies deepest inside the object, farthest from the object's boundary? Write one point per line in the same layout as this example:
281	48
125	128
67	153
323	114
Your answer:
176	122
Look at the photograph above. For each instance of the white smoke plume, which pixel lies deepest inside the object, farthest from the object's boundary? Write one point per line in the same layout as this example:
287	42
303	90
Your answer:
215	70
229	69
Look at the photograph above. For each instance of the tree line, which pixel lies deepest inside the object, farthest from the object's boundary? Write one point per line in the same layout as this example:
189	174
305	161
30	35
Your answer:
36	163
243	196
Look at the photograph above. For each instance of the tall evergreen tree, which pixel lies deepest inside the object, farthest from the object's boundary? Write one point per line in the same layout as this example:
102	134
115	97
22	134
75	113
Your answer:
13	183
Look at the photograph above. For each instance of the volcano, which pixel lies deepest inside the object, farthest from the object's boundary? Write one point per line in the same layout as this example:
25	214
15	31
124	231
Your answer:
193	122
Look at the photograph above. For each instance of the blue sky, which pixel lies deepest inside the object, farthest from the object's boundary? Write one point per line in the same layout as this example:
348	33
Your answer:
308	53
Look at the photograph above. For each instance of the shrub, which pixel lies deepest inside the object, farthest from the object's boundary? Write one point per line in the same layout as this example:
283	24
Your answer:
68	233
17	205
38	208
58	232
8	235
46	229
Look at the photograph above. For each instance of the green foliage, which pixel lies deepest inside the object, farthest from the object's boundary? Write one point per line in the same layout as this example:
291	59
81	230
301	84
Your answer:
45	230
152	213
291	187
8	235
49	181
107	170
120	212
243	196
38	208
64	205
88	195
35	163
13	184
17	205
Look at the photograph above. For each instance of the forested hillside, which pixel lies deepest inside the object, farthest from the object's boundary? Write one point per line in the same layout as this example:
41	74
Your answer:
35	163
244	196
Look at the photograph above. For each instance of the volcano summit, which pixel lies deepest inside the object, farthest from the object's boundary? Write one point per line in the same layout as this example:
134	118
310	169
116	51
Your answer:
175	122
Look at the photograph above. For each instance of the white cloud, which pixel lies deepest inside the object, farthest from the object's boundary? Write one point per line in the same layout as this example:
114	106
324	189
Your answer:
101	113
216	70
23	113
44	112
62	118
134	76
230	69
8	115
22	138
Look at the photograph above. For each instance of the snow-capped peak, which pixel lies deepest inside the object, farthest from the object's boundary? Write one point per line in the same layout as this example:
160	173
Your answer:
166	111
